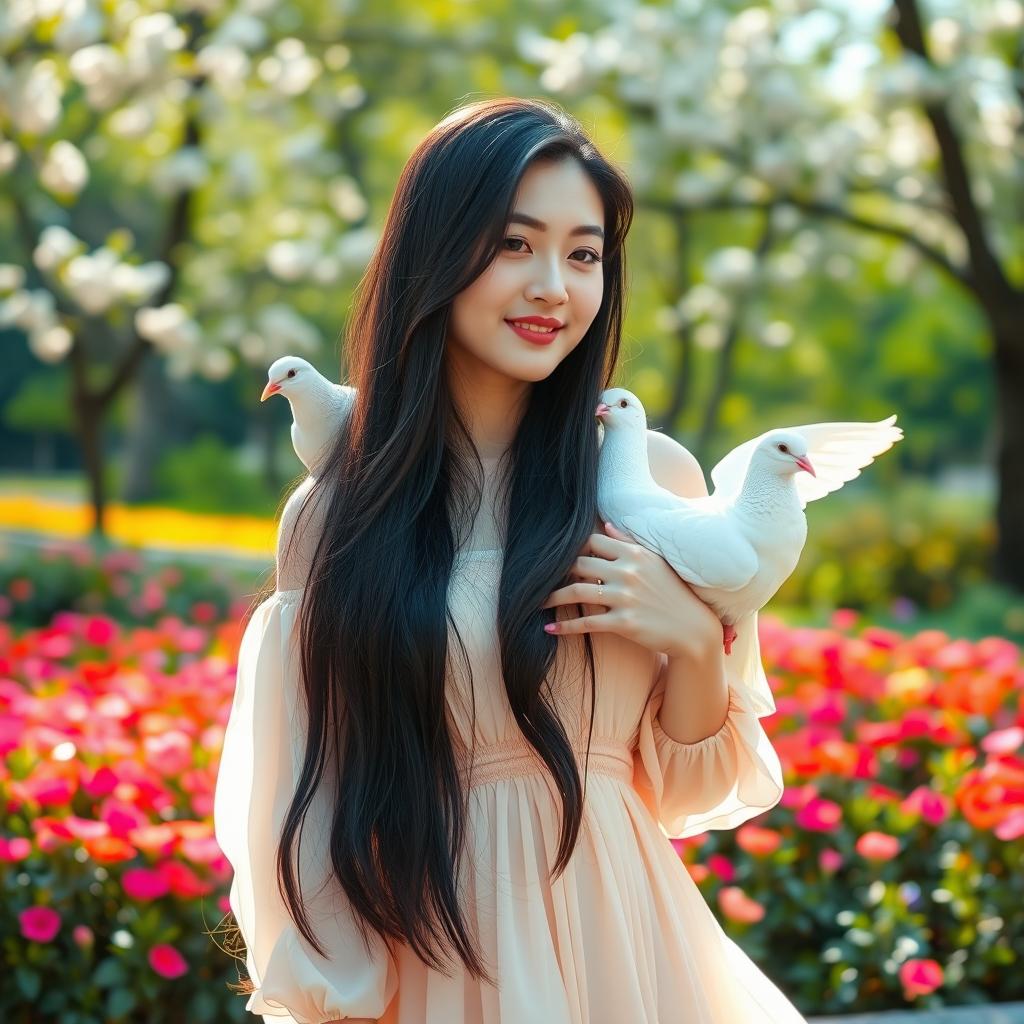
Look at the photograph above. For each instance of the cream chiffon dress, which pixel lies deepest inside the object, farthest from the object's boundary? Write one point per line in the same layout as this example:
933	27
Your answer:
623	936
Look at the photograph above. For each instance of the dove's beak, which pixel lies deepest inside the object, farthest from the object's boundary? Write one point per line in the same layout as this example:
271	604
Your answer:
805	463
601	409
270	389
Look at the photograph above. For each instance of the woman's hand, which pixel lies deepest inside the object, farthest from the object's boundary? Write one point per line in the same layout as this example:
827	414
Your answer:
646	599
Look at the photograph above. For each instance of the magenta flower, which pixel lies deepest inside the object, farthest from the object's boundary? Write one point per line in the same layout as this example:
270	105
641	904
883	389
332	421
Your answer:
931	806
142	884
39	924
819	815
167	961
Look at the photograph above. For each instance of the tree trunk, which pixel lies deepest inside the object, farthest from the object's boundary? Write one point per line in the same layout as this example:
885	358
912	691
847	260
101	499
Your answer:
1008	560
90	431
152	427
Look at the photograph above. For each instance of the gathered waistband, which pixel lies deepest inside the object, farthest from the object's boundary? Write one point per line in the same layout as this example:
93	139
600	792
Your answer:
496	761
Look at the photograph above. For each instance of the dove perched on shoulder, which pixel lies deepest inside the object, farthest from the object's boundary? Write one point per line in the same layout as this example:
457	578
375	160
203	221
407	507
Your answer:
738	545
320	408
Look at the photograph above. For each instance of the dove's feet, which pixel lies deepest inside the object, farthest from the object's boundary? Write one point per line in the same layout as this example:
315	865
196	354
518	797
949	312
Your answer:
728	635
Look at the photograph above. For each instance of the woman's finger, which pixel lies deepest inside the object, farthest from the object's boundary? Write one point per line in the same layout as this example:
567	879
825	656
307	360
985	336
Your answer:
578	593
584	624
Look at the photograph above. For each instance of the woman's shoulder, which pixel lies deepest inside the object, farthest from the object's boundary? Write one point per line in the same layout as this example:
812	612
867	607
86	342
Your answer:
299	529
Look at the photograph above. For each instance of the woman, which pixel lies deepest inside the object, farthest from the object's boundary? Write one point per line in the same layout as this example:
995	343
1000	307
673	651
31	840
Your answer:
482	798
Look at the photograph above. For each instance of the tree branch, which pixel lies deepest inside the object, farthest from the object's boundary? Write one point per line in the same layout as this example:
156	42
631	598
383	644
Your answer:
820	209
986	272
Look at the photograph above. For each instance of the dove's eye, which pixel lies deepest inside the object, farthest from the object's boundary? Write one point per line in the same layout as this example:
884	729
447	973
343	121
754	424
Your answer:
623	403
783	448
291	373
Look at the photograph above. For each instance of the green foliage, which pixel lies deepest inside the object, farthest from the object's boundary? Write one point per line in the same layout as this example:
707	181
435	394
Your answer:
205	477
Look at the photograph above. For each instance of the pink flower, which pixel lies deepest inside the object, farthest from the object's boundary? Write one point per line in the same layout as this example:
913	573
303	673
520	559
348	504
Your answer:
167	961
39	924
830	860
878	846
819	815
14	849
142	884
83	935
1003	741
931	806
920	977
738	906
1011	827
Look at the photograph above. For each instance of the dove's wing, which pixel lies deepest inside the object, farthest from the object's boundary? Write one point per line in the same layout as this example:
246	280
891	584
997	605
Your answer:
705	548
838	452
744	667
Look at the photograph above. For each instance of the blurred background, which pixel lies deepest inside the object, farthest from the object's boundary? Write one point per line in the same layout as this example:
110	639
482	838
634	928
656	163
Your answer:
829	201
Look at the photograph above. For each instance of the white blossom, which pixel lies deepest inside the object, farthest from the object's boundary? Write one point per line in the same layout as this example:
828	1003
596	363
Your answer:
289	331
215	363
80	24
151	41
290	71
101	70
346	200
33	96
186	168
90	279
12	277
226	65
52	344
55	247
242	30
291	259
32	310
134	120
64	171
169	328
8	155
776	334
139	283
731	267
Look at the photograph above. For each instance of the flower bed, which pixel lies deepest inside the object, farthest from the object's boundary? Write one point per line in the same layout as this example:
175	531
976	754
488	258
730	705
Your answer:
889	875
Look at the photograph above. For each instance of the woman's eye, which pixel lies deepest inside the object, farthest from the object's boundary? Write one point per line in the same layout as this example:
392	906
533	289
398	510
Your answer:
594	258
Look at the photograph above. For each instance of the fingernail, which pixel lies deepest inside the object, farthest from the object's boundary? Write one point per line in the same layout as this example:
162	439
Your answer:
550	627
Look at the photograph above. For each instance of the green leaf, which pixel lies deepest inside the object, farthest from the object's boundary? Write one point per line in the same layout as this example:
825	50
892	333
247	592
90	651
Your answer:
29	982
121	1002
109	974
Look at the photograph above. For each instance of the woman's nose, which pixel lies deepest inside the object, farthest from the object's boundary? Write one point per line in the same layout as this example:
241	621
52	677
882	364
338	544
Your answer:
549	285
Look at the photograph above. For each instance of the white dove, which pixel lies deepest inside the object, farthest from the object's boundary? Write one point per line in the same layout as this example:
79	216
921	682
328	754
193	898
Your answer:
320	408
737	546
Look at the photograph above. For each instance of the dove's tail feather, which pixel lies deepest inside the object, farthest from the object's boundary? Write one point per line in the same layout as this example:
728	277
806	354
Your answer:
744	669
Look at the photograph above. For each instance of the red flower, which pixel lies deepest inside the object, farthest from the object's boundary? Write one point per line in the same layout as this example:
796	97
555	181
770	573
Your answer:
920	977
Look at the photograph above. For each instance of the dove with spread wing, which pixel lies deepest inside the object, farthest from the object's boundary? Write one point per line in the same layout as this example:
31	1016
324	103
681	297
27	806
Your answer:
738	545
320	408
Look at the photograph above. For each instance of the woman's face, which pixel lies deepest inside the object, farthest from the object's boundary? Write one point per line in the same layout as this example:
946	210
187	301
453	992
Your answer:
545	271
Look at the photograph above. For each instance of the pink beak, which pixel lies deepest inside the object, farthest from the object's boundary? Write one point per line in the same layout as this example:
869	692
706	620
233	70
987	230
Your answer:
270	389
805	463
601	409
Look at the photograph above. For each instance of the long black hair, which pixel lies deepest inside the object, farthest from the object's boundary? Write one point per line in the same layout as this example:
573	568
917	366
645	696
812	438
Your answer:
399	486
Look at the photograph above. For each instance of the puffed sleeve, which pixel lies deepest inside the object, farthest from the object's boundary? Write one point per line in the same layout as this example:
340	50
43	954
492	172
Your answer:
718	782
259	766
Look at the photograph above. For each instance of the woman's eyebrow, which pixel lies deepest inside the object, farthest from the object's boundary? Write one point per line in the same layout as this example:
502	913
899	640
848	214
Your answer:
582	229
